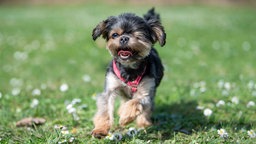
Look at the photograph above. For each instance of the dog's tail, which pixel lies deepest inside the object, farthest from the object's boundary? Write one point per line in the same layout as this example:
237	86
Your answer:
151	15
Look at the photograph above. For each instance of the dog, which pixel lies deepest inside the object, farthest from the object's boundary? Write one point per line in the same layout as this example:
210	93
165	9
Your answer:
135	71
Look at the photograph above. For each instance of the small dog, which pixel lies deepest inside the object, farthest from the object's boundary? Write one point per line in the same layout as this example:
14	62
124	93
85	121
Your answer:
135	71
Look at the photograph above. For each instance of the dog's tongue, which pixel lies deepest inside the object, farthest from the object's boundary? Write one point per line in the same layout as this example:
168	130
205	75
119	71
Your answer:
124	53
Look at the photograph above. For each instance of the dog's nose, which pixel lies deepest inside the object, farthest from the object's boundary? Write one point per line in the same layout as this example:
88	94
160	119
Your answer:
124	40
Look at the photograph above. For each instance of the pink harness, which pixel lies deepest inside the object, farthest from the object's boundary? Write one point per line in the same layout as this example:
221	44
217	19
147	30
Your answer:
132	84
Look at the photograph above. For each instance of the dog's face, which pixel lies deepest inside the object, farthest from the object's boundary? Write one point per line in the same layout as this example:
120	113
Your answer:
129	37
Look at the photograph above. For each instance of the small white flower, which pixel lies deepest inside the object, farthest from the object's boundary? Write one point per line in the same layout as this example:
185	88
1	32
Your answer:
71	139
250	84
203	89
254	93
72	110
235	100
221	84
64	87
36	92
15	82
223	133
117	136
199	107
207	112
227	85
15	91
86	78
43	86
250	104
75	101
75	116
132	132
251	133
225	92
34	103
220	103
64	132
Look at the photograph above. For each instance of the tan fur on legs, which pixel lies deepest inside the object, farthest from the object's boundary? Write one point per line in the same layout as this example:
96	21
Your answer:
102	125
129	111
143	120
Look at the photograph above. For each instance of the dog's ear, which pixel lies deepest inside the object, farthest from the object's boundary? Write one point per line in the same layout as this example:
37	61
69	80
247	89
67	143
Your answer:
99	29
153	20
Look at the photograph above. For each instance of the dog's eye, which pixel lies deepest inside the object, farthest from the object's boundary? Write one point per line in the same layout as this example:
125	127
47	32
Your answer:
115	35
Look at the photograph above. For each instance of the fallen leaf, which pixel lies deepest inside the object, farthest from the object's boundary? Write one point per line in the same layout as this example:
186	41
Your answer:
29	122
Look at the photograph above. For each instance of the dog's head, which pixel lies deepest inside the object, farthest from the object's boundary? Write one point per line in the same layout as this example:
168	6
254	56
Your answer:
130	37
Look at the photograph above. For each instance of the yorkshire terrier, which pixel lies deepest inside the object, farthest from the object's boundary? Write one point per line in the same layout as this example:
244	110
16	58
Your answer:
135	71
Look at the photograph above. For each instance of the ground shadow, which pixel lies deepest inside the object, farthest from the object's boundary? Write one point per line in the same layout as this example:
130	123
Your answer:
177	117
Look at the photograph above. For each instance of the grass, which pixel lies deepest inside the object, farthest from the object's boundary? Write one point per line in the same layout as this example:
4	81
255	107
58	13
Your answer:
209	56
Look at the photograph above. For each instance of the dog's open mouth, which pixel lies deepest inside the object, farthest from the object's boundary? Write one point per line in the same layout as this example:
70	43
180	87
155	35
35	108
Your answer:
125	54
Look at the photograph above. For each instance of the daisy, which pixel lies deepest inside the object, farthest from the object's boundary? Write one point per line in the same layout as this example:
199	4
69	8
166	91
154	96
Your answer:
64	87
220	103
132	132
251	133
36	92
250	104
86	78
207	112
34	103
223	133
115	136
235	100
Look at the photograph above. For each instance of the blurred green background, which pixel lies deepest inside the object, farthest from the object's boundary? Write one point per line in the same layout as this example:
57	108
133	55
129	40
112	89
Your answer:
48	60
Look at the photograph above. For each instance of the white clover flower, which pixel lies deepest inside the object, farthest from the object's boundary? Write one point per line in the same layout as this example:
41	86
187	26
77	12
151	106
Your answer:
71	110
20	55
114	137
207	112
72	139
223	133
227	86
221	84
132	132
203	89
15	91
250	104
64	87
36	92
199	107
254	93
225	92
75	101
220	103
34	103
15	82
86	78
235	100
251	133
64	132
250	84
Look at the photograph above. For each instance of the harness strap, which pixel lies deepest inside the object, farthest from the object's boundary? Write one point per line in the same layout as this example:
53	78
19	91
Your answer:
132	84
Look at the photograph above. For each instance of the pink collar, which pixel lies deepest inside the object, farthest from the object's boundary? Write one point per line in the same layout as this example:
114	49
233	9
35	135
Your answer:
132	84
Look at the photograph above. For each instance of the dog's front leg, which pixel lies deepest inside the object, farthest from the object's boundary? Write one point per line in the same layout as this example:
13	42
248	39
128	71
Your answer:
103	119
140	106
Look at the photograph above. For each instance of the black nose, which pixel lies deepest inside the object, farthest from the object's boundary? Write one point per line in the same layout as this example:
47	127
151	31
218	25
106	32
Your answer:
124	40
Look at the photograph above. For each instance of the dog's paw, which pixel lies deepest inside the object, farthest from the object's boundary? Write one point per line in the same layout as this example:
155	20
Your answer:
129	111
99	133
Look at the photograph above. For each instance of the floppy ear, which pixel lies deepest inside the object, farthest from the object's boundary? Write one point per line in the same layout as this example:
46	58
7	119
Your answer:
158	31
99	30
153	20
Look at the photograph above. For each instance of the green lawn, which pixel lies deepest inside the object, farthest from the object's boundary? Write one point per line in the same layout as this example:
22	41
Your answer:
209	61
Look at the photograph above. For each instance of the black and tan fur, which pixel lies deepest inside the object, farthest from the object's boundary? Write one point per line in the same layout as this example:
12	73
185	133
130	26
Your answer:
130	40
